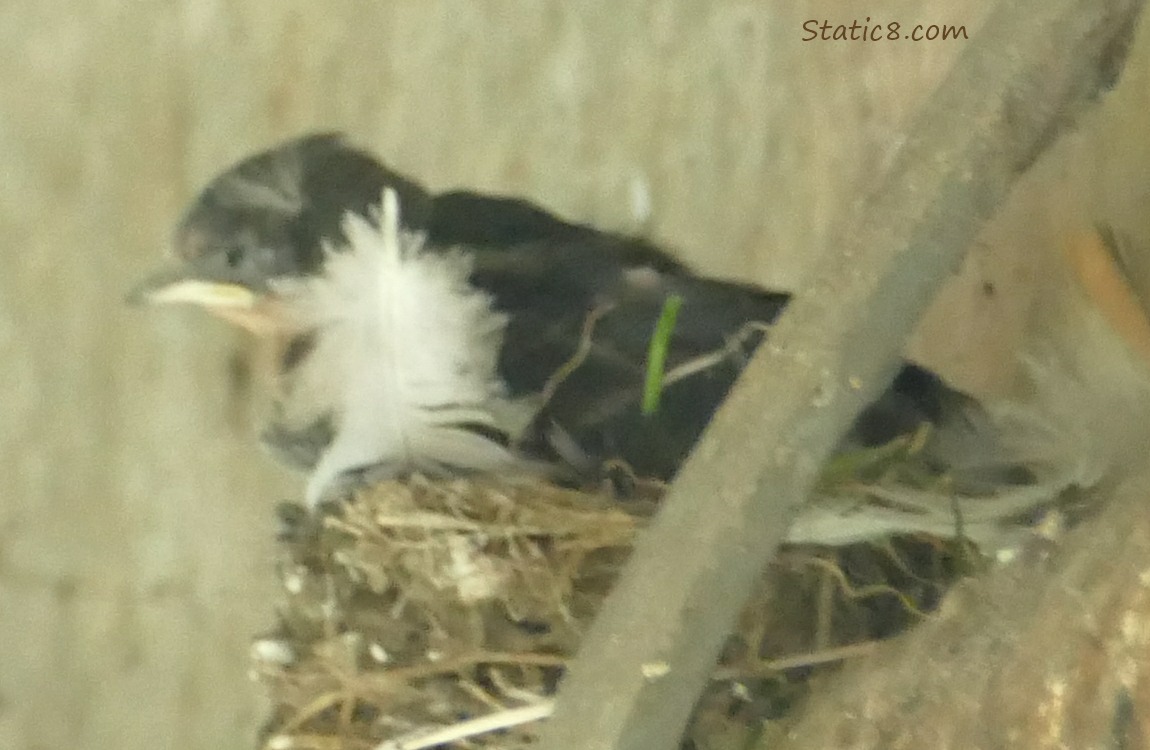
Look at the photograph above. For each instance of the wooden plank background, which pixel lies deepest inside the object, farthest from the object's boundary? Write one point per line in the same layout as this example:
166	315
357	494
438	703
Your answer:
135	511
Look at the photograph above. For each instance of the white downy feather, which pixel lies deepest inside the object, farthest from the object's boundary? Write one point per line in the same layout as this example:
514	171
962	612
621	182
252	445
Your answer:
1086	419
406	347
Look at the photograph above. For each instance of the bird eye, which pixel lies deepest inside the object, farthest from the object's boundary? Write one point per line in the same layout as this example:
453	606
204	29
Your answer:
234	256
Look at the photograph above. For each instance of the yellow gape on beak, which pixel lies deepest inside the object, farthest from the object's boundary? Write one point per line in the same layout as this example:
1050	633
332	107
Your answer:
210	294
232	302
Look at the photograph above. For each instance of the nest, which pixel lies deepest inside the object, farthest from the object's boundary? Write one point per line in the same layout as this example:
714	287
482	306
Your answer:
426	612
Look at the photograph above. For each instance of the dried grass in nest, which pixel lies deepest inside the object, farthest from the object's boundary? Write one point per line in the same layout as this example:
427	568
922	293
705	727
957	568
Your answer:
424	604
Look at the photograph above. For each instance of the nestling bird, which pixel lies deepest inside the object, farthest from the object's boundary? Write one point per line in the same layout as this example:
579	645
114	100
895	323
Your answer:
460	332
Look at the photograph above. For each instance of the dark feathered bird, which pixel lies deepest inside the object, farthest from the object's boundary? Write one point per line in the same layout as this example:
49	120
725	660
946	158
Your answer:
464	332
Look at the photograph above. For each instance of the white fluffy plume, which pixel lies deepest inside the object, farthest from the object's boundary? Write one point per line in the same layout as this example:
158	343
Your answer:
406	347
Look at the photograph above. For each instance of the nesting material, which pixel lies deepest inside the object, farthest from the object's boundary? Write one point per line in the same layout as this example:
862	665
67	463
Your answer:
422	611
442	613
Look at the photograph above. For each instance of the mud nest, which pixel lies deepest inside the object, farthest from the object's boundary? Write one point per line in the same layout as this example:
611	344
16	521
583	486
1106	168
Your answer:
419	610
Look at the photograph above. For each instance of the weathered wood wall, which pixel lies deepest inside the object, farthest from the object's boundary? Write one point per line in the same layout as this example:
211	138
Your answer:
135	517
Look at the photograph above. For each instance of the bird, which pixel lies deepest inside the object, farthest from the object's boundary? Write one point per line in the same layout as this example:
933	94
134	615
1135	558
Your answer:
458	333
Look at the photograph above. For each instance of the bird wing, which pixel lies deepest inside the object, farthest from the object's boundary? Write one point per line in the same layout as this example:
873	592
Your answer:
582	307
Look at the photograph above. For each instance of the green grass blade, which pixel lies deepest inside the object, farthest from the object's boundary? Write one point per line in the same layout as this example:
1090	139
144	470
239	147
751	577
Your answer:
657	354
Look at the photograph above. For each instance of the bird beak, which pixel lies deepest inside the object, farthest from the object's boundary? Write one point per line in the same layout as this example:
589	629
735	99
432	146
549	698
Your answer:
233	302
178	287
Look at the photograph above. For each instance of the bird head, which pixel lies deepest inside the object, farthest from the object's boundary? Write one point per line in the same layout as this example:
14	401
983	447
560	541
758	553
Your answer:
269	218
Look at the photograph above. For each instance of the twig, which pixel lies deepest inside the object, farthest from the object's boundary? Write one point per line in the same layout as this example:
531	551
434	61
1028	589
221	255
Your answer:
808	659
586	342
512	717
706	361
427	737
